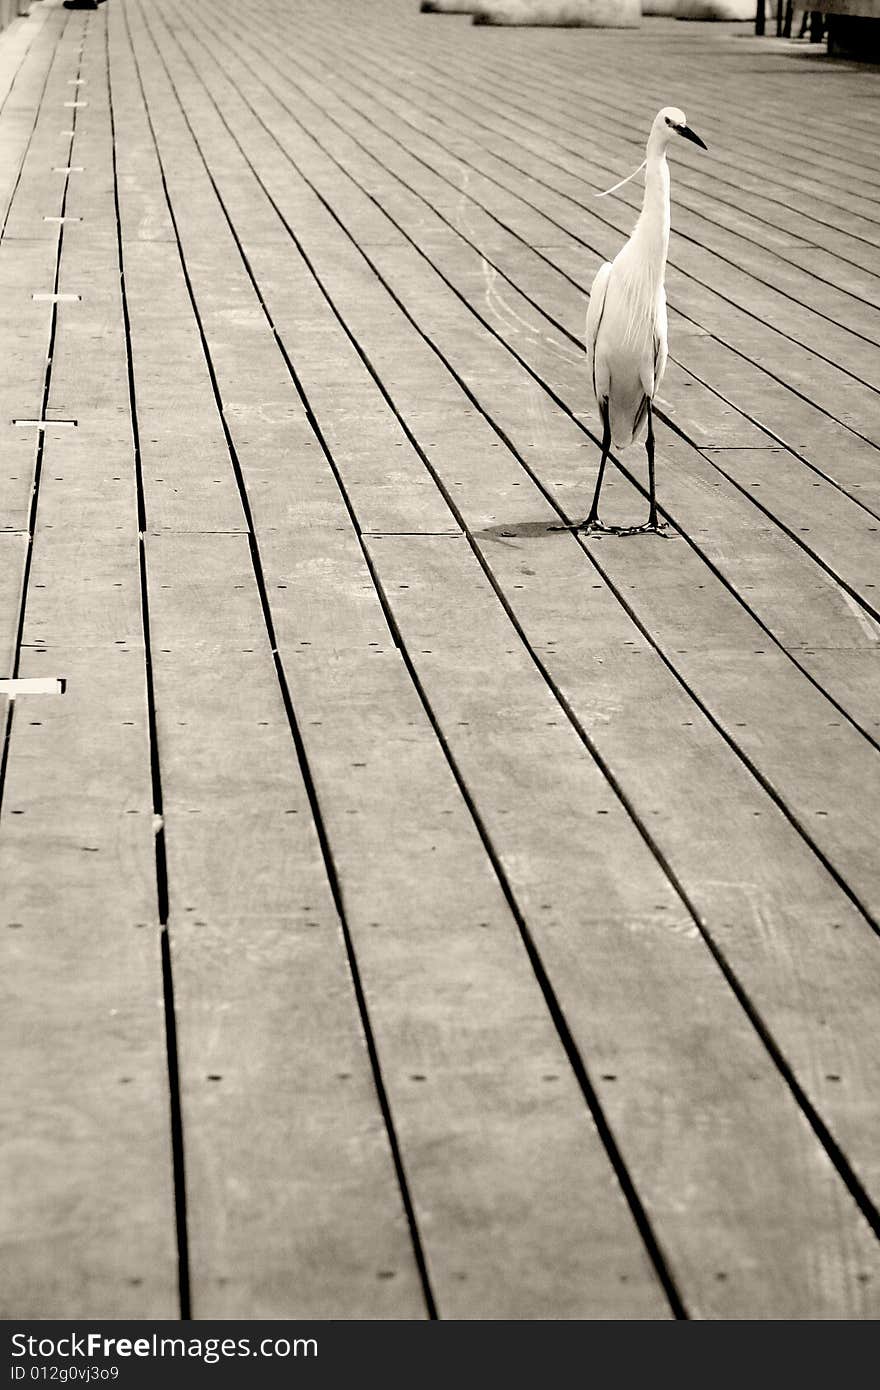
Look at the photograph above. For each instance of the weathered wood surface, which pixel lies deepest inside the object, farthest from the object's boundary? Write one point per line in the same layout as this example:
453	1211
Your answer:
518	896
88	1204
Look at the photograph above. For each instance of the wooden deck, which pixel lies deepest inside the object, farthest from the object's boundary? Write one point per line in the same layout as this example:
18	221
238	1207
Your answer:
408	909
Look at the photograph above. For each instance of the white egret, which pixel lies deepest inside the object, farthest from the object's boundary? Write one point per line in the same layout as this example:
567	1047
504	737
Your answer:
626	320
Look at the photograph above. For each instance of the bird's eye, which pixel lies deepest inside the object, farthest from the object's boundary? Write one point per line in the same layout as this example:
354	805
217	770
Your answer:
669	121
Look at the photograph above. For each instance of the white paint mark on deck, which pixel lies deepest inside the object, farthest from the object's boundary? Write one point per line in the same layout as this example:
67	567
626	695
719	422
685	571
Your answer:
33	685
44	424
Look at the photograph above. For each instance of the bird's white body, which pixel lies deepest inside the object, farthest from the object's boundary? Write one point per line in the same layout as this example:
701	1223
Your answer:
626	319
626	323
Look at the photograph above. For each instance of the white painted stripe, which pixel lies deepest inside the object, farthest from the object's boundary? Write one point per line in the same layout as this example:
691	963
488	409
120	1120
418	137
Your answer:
76	103
67	169
62	219
76	81
33	685
45	424
57	298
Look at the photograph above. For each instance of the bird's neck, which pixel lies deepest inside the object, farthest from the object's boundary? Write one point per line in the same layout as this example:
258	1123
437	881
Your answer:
652	229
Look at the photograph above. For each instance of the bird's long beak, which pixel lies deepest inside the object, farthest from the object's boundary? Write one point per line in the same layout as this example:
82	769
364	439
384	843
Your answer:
689	134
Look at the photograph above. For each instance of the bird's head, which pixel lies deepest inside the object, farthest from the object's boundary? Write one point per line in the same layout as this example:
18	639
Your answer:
669	124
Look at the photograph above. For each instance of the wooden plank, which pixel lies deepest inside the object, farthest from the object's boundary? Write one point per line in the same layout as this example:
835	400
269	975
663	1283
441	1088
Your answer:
87	1143
709	417
395	351
283	1216
511	1229
43	146
849	546
640	945
86	1148
749	876
693	408
520	95
15	45
719	430
12	549
778	210
536	1231
758	142
542	164
695	299
483	488
738	161
304	342
384	473
188	482
25	266
143	210
747	384
293	1203
551	140
686	621
809	505
388	353
25	328
403	271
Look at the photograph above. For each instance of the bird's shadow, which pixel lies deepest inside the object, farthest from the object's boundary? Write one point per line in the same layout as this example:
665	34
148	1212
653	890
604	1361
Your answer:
519	530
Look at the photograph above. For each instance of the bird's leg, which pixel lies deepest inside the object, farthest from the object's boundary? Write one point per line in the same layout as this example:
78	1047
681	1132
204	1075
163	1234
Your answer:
653	523
592	522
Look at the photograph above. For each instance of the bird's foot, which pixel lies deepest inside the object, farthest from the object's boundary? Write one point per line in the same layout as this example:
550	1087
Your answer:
652	527
592	525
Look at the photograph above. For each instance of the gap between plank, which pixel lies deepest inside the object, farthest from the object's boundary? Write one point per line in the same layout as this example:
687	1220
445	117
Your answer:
171	1045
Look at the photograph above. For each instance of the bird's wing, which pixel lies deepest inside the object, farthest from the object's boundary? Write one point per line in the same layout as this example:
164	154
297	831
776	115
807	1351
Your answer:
660	340
595	310
653	363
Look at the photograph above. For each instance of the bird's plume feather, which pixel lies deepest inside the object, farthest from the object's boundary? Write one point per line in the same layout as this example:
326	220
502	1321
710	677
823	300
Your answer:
606	191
